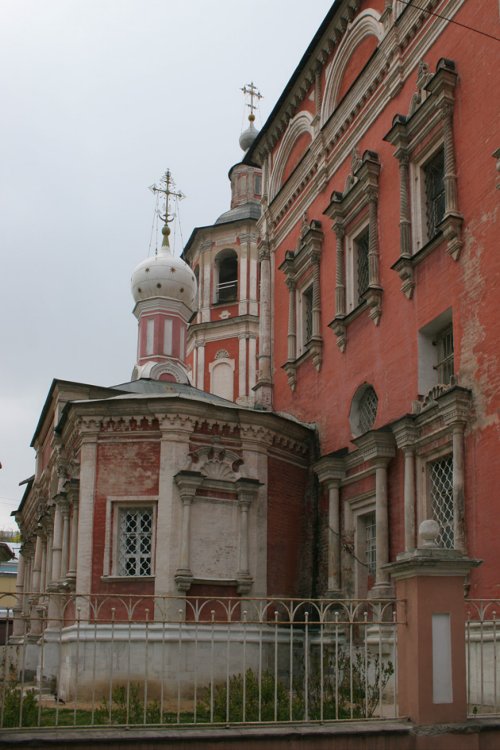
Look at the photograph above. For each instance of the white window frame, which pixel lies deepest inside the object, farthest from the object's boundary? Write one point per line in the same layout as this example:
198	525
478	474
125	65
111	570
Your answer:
302	293
114	505
423	464
351	264
418	195
360	509
428	353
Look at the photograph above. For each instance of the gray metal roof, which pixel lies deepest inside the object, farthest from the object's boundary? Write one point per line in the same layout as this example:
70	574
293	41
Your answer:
245	211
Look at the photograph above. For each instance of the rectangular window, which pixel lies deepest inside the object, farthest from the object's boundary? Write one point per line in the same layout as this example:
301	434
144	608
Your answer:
362	246
150	333
167	337
135	541
441	495
434	193
307	306
445	355
370	543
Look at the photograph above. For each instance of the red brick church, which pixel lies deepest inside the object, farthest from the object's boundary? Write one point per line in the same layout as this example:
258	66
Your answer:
319	373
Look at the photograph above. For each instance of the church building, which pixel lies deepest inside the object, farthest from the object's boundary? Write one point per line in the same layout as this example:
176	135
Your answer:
319	373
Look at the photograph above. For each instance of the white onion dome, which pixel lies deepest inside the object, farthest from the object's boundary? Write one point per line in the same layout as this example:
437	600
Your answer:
164	275
249	135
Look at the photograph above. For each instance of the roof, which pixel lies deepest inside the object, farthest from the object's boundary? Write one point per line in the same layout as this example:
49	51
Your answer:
147	387
245	211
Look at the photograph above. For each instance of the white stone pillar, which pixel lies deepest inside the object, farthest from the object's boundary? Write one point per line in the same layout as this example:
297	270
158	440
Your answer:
252	360
73	547
247	493
65	540
263	387
200	366
382	525
88	468
187	482
175	433
43	571
57	544
37	565
409	499
242	367
330	471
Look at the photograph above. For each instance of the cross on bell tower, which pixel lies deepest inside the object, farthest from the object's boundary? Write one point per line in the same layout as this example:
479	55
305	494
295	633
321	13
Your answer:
168	188
253	92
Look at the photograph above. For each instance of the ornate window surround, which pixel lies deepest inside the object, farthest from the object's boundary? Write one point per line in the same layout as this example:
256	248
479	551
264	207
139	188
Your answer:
417	137
217	478
350	210
434	430
302	269
114	506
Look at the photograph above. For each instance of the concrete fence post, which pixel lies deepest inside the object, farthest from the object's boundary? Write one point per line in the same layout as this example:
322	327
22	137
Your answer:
429	584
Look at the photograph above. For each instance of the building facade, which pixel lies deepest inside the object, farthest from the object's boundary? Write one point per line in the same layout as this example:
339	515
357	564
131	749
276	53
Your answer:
378	243
339	381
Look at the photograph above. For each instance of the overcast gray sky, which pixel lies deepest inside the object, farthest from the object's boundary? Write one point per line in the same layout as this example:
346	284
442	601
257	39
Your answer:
98	98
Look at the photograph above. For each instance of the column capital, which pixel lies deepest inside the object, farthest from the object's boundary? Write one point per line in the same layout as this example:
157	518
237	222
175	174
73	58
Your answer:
331	469
405	432
188	482
247	490
377	445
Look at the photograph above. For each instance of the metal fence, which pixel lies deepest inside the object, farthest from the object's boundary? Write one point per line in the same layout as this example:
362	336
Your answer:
483	656
126	660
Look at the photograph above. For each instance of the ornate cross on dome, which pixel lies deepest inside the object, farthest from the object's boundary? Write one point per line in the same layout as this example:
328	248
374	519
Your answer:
253	92
167	187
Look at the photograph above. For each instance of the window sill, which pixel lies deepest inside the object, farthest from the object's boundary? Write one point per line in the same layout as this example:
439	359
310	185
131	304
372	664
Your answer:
112	578
450	231
313	350
372	301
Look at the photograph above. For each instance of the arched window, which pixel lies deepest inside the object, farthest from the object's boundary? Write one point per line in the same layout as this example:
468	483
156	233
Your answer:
227	277
363	410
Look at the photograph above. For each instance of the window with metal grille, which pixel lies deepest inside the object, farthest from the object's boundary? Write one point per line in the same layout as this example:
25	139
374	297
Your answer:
434	192
307	305
441	492
362	246
445	355
135	541
367	409
370	543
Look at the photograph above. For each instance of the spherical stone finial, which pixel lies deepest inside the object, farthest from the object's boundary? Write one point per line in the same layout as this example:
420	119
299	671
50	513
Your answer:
428	533
249	135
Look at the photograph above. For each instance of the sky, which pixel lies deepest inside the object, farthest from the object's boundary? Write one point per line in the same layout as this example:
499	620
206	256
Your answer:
99	97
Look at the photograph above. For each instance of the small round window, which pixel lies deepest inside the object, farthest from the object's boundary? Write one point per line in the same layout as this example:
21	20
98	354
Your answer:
363	410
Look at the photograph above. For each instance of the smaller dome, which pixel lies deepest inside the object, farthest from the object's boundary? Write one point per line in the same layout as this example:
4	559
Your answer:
164	275
248	136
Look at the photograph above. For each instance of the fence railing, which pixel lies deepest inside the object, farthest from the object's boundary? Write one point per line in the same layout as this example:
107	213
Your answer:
100	660
483	656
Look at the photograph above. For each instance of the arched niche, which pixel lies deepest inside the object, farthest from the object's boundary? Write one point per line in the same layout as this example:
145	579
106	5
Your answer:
356	47
296	140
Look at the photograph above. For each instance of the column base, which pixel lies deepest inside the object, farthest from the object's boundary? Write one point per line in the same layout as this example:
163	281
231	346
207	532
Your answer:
381	591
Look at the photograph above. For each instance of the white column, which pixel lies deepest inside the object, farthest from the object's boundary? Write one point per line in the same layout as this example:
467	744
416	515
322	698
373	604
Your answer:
333	537
252	364
65	540
37	566
88	466
74	540
382	525
43	571
242	367
409	499
200	371
57	544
